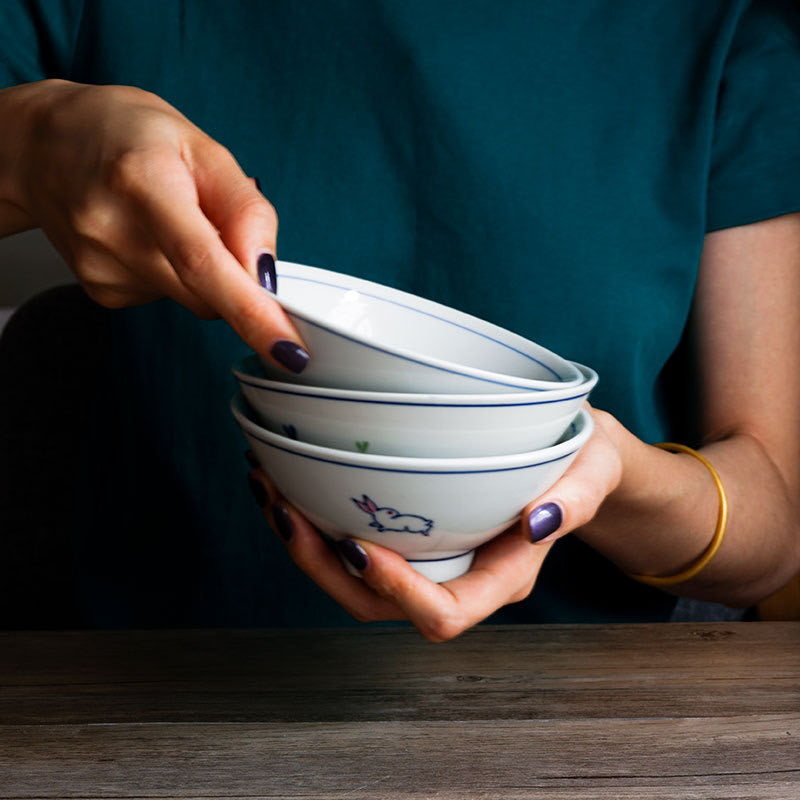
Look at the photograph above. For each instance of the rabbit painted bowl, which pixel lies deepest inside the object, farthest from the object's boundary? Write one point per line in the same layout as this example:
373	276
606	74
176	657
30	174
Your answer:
417	425
363	335
432	511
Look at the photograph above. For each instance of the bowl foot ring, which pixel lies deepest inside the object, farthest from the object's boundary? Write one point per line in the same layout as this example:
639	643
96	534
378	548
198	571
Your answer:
438	570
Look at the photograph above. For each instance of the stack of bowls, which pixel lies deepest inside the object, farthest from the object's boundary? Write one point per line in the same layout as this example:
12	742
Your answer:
414	425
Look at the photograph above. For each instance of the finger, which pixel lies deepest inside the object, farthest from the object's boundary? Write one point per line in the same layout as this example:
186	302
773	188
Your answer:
574	499
167	284
319	561
116	260
164	193
246	221
144	276
107	281
322	564
503	571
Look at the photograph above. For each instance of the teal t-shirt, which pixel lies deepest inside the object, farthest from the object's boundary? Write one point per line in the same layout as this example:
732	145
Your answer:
550	167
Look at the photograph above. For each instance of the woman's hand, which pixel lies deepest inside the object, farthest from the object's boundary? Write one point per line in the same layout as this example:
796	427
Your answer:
648	511
504	570
142	204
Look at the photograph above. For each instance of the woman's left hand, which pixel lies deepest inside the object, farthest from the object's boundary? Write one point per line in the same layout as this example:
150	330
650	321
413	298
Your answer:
504	570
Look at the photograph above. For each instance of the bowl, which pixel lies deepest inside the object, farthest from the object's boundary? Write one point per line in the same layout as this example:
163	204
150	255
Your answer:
412	424
363	335
432	511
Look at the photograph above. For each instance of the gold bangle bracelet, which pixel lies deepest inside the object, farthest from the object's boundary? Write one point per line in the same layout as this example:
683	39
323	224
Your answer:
719	532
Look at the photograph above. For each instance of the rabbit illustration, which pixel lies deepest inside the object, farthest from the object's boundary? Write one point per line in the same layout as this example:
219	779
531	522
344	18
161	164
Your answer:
390	519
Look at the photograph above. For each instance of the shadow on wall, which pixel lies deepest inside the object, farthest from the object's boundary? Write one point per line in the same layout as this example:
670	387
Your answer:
28	265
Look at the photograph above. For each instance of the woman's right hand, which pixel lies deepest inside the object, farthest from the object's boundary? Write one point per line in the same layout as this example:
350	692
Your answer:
142	204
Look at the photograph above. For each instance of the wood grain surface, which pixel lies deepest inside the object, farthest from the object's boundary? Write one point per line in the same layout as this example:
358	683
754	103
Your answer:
625	711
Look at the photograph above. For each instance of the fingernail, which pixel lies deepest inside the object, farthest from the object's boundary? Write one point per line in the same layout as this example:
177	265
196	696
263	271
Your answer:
290	355
258	184
258	490
354	553
544	520
267	277
251	459
283	522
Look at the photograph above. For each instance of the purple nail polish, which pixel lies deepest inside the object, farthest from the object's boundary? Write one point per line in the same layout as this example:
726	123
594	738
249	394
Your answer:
544	520
267	276
258	490
290	355
283	522
354	553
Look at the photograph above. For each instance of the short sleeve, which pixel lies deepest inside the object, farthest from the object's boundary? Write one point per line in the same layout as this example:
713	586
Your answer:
755	159
37	39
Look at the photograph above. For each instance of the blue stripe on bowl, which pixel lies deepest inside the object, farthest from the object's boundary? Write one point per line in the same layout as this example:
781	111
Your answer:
432	560
409	403
427	364
409	471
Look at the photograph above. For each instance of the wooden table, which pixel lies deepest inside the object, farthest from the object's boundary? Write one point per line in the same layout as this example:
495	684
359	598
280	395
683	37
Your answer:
626	712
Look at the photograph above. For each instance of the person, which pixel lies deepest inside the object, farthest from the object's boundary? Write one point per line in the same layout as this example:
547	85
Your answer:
617	181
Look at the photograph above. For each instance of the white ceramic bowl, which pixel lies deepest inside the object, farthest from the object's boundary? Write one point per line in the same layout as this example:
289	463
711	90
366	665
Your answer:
434	512
363	335
417	425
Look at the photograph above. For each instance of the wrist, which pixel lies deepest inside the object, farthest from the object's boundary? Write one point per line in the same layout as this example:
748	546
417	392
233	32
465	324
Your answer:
660	516
24	110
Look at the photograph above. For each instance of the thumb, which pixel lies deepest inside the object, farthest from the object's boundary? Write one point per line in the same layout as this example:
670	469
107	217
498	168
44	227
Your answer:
574	499
247	222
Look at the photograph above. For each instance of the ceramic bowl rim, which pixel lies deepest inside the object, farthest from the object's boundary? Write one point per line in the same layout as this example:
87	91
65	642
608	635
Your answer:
417	464
362	285
465	400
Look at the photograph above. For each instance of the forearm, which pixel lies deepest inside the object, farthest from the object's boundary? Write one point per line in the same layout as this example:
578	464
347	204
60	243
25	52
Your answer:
662	516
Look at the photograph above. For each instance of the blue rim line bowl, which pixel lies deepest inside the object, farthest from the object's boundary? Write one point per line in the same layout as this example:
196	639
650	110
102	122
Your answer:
363	335
433	512
412	424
